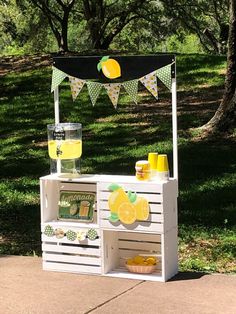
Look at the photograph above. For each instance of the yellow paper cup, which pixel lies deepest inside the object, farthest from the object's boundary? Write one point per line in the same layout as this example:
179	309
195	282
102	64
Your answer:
152	158
162	163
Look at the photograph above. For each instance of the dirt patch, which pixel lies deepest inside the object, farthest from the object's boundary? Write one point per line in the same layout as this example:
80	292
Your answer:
23	63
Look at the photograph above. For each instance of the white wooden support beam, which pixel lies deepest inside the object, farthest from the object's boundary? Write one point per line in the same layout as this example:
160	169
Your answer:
56	105
174	128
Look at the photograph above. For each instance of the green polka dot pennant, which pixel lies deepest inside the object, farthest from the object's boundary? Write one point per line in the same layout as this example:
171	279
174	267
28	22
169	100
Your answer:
71	235
164	74
131	88
49	231
57	77
94	91
92	234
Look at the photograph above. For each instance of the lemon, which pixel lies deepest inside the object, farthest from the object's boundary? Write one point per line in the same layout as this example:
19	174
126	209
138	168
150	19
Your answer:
139	259
110	67
130	261
142	208
116	198
127	213
151	260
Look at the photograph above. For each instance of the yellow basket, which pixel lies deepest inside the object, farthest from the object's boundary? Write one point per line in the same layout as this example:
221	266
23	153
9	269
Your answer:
141	269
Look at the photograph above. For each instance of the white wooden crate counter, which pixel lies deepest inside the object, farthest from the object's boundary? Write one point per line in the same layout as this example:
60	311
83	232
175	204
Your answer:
116	241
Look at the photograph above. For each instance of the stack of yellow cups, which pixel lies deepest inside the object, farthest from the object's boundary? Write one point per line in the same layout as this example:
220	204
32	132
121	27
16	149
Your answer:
152	158
162	167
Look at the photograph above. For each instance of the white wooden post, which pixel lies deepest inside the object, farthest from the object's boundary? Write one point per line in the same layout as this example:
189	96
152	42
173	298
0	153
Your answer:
174	127
56	105
57	119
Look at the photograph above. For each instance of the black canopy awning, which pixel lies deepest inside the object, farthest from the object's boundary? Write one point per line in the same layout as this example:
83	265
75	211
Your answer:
132	67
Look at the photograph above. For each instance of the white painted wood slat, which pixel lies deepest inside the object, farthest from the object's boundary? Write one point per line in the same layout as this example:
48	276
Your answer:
72	268
80	187
123	273
71	249
139	186
136	226
73	225
154	198
96	242
72	259
142	246
156	238
152	217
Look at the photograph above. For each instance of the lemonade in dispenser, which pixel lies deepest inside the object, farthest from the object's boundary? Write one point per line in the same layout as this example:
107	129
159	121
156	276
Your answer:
65	148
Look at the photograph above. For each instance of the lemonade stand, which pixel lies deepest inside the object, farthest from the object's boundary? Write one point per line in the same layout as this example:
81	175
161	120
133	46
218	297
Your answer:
110	225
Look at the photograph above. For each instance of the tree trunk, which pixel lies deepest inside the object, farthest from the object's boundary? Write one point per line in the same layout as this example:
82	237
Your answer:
58	19
64	32
224	119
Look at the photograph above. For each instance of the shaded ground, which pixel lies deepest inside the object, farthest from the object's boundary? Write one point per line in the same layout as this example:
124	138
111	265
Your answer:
23	63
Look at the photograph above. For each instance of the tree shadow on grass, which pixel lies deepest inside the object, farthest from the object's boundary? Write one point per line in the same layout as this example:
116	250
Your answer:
207	182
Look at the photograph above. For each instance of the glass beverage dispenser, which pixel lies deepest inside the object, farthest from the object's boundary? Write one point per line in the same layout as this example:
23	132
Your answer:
65	148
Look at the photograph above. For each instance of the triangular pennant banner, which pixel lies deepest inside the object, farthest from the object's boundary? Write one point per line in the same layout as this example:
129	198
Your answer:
76	85
113	91
94	91
150	82
164	74
57	77
132	89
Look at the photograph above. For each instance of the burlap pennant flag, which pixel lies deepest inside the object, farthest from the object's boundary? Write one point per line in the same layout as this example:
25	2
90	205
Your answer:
113	91
57	77
132	89
150	82
76	85
94	91
164	74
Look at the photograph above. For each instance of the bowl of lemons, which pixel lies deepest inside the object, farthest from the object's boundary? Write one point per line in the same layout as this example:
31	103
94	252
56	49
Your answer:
142	264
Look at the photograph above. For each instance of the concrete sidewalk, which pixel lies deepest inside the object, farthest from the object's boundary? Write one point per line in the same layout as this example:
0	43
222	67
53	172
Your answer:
26	289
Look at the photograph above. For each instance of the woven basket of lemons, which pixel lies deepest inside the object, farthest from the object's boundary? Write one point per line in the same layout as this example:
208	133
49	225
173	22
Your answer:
141	264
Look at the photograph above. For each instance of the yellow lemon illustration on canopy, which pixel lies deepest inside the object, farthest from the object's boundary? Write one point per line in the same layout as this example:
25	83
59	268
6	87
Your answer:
110	67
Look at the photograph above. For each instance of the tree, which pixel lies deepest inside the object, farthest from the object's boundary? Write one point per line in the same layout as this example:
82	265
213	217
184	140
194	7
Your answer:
106	19
57	13
206	19
22	27
224	119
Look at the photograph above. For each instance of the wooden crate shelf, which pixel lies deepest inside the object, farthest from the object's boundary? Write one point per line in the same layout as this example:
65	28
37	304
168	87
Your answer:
116	242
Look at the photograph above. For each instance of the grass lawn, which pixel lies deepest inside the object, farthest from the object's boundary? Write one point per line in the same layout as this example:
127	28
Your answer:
112	141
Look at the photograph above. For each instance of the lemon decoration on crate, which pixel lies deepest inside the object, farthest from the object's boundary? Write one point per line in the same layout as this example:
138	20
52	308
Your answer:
142	208
71	235
141	264
126	213
126	207
49	231
59	233
110	67
81	235
116	198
